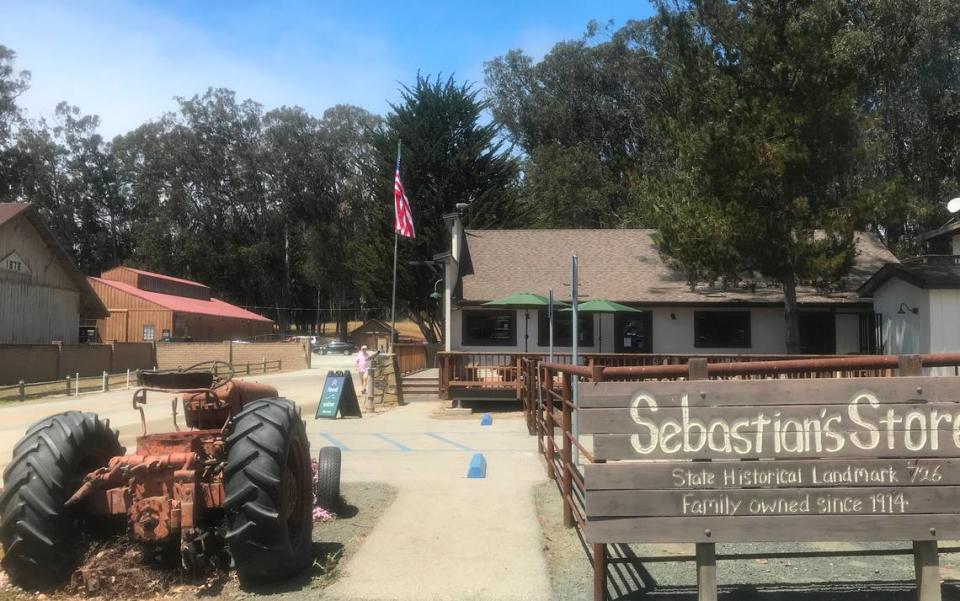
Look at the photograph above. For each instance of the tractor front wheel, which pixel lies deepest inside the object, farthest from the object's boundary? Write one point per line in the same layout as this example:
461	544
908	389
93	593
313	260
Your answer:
268	500
41	538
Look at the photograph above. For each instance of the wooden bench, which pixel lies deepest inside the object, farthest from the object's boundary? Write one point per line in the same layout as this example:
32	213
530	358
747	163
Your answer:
818	460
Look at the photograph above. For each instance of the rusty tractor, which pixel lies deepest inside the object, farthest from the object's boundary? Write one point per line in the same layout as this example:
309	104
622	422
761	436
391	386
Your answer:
238	479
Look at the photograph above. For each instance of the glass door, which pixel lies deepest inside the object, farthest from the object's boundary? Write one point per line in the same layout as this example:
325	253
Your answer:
633	332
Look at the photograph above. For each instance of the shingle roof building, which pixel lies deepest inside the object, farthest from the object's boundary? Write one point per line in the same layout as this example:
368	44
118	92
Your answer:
622	265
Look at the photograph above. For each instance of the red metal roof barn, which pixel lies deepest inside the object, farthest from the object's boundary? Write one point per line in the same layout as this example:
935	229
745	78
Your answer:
147	306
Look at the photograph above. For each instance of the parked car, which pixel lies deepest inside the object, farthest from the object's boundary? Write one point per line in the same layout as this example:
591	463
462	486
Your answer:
169	338
338	346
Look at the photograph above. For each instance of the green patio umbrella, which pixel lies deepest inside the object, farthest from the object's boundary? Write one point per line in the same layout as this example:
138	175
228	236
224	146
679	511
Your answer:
599	306
526	301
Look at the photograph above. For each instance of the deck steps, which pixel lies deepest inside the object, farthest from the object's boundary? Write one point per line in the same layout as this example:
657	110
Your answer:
421	386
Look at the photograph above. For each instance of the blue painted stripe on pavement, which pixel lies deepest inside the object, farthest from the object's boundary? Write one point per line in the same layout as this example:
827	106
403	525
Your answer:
334	441
386	438
448	441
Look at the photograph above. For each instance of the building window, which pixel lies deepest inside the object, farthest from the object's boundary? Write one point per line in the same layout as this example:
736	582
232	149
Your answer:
148	333
818	333
490	328
563	329
633	332
721	329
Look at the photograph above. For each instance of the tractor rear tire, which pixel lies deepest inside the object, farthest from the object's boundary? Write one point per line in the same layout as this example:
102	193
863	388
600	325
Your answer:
41	538
328	479
267	481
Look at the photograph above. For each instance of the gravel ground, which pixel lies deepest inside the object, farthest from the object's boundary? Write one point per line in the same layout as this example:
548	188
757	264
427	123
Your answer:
881	578
334	543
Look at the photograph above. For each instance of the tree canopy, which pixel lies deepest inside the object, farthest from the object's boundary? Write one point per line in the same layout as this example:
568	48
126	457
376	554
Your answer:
757	136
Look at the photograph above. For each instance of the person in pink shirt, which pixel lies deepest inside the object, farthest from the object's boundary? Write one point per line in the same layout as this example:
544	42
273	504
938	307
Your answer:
363	362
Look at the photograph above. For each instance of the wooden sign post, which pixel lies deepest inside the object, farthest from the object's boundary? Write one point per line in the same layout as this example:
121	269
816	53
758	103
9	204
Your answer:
338	397
816	460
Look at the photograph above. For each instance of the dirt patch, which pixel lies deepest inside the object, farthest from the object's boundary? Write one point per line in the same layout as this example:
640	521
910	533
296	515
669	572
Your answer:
122	573
849	578
121	568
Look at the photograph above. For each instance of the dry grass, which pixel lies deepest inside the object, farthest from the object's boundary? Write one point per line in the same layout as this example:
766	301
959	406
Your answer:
406	328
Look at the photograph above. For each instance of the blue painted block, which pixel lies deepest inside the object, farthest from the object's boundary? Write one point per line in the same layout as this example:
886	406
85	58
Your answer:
478	466
486	420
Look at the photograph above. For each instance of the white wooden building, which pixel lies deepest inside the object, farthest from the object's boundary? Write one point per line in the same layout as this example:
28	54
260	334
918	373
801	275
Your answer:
42	293
919	299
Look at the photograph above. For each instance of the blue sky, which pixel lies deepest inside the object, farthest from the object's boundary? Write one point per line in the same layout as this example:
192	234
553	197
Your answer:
126	61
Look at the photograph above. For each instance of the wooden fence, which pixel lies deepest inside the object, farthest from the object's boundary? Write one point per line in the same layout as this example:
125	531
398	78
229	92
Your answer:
411	357
548	403
75	386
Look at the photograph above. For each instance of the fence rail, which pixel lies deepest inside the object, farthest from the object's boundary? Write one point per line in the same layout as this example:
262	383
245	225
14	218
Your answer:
75	386
548	404
499	370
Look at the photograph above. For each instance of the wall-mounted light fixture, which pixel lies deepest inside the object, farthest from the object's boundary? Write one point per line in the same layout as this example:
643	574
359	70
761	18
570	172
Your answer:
673	316
904	307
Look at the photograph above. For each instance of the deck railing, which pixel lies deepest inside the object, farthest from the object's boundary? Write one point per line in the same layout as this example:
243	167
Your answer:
549	406
499	370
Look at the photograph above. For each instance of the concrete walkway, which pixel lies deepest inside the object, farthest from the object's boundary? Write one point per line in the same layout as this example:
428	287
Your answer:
446	536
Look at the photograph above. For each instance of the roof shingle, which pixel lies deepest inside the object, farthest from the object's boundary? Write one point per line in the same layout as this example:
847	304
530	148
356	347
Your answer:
621	265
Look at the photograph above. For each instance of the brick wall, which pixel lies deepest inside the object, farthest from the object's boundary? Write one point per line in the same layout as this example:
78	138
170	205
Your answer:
173	355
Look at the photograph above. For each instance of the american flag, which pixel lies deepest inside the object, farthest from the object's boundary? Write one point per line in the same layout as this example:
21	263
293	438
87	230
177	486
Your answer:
403	216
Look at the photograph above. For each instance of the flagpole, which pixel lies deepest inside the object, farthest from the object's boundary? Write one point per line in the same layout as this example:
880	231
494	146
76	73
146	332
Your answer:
393	300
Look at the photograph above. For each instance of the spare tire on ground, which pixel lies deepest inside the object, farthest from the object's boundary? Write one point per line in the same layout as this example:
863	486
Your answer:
267	482
41	538
328	479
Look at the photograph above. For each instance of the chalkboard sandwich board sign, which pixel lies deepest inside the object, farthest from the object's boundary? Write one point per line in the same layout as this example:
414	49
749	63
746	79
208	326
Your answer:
338	397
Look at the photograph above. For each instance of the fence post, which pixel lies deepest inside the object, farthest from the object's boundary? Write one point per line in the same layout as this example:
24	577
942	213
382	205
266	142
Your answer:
926	557
599	549
248	368
599	571
566	455
76	380
68	384
280	365
105	386
22	390
548	425
368	389
264	365
706	553
537	412
128	378
519	363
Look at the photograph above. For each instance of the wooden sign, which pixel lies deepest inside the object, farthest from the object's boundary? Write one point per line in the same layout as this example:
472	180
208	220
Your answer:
338	396
773	460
